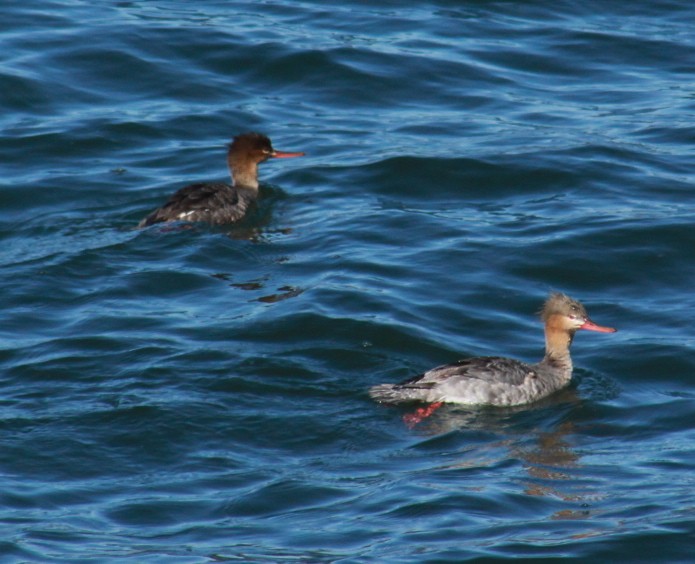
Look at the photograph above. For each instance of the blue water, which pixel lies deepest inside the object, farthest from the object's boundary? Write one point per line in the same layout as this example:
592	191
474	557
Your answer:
200	395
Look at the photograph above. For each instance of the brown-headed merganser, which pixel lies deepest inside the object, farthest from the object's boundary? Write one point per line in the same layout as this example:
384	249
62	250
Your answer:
216	202
493	380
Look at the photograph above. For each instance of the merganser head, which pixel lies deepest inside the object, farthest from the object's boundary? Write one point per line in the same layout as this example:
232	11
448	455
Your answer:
562	312
255	148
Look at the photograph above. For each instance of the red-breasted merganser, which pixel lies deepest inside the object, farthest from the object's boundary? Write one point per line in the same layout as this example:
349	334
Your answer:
220	203
501	381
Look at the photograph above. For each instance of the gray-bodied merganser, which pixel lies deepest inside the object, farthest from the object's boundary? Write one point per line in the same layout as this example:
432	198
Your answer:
220	203
501	381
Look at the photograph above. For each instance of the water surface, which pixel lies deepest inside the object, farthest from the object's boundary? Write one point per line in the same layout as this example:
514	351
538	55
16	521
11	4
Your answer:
200	394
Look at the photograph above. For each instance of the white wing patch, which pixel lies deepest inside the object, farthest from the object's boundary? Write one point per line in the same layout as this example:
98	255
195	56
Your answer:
184	215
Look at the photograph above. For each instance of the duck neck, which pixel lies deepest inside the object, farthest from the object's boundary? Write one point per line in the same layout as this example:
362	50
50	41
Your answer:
244	173
557	346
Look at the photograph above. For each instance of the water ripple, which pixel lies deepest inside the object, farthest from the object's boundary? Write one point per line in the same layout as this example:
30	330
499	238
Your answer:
200	394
